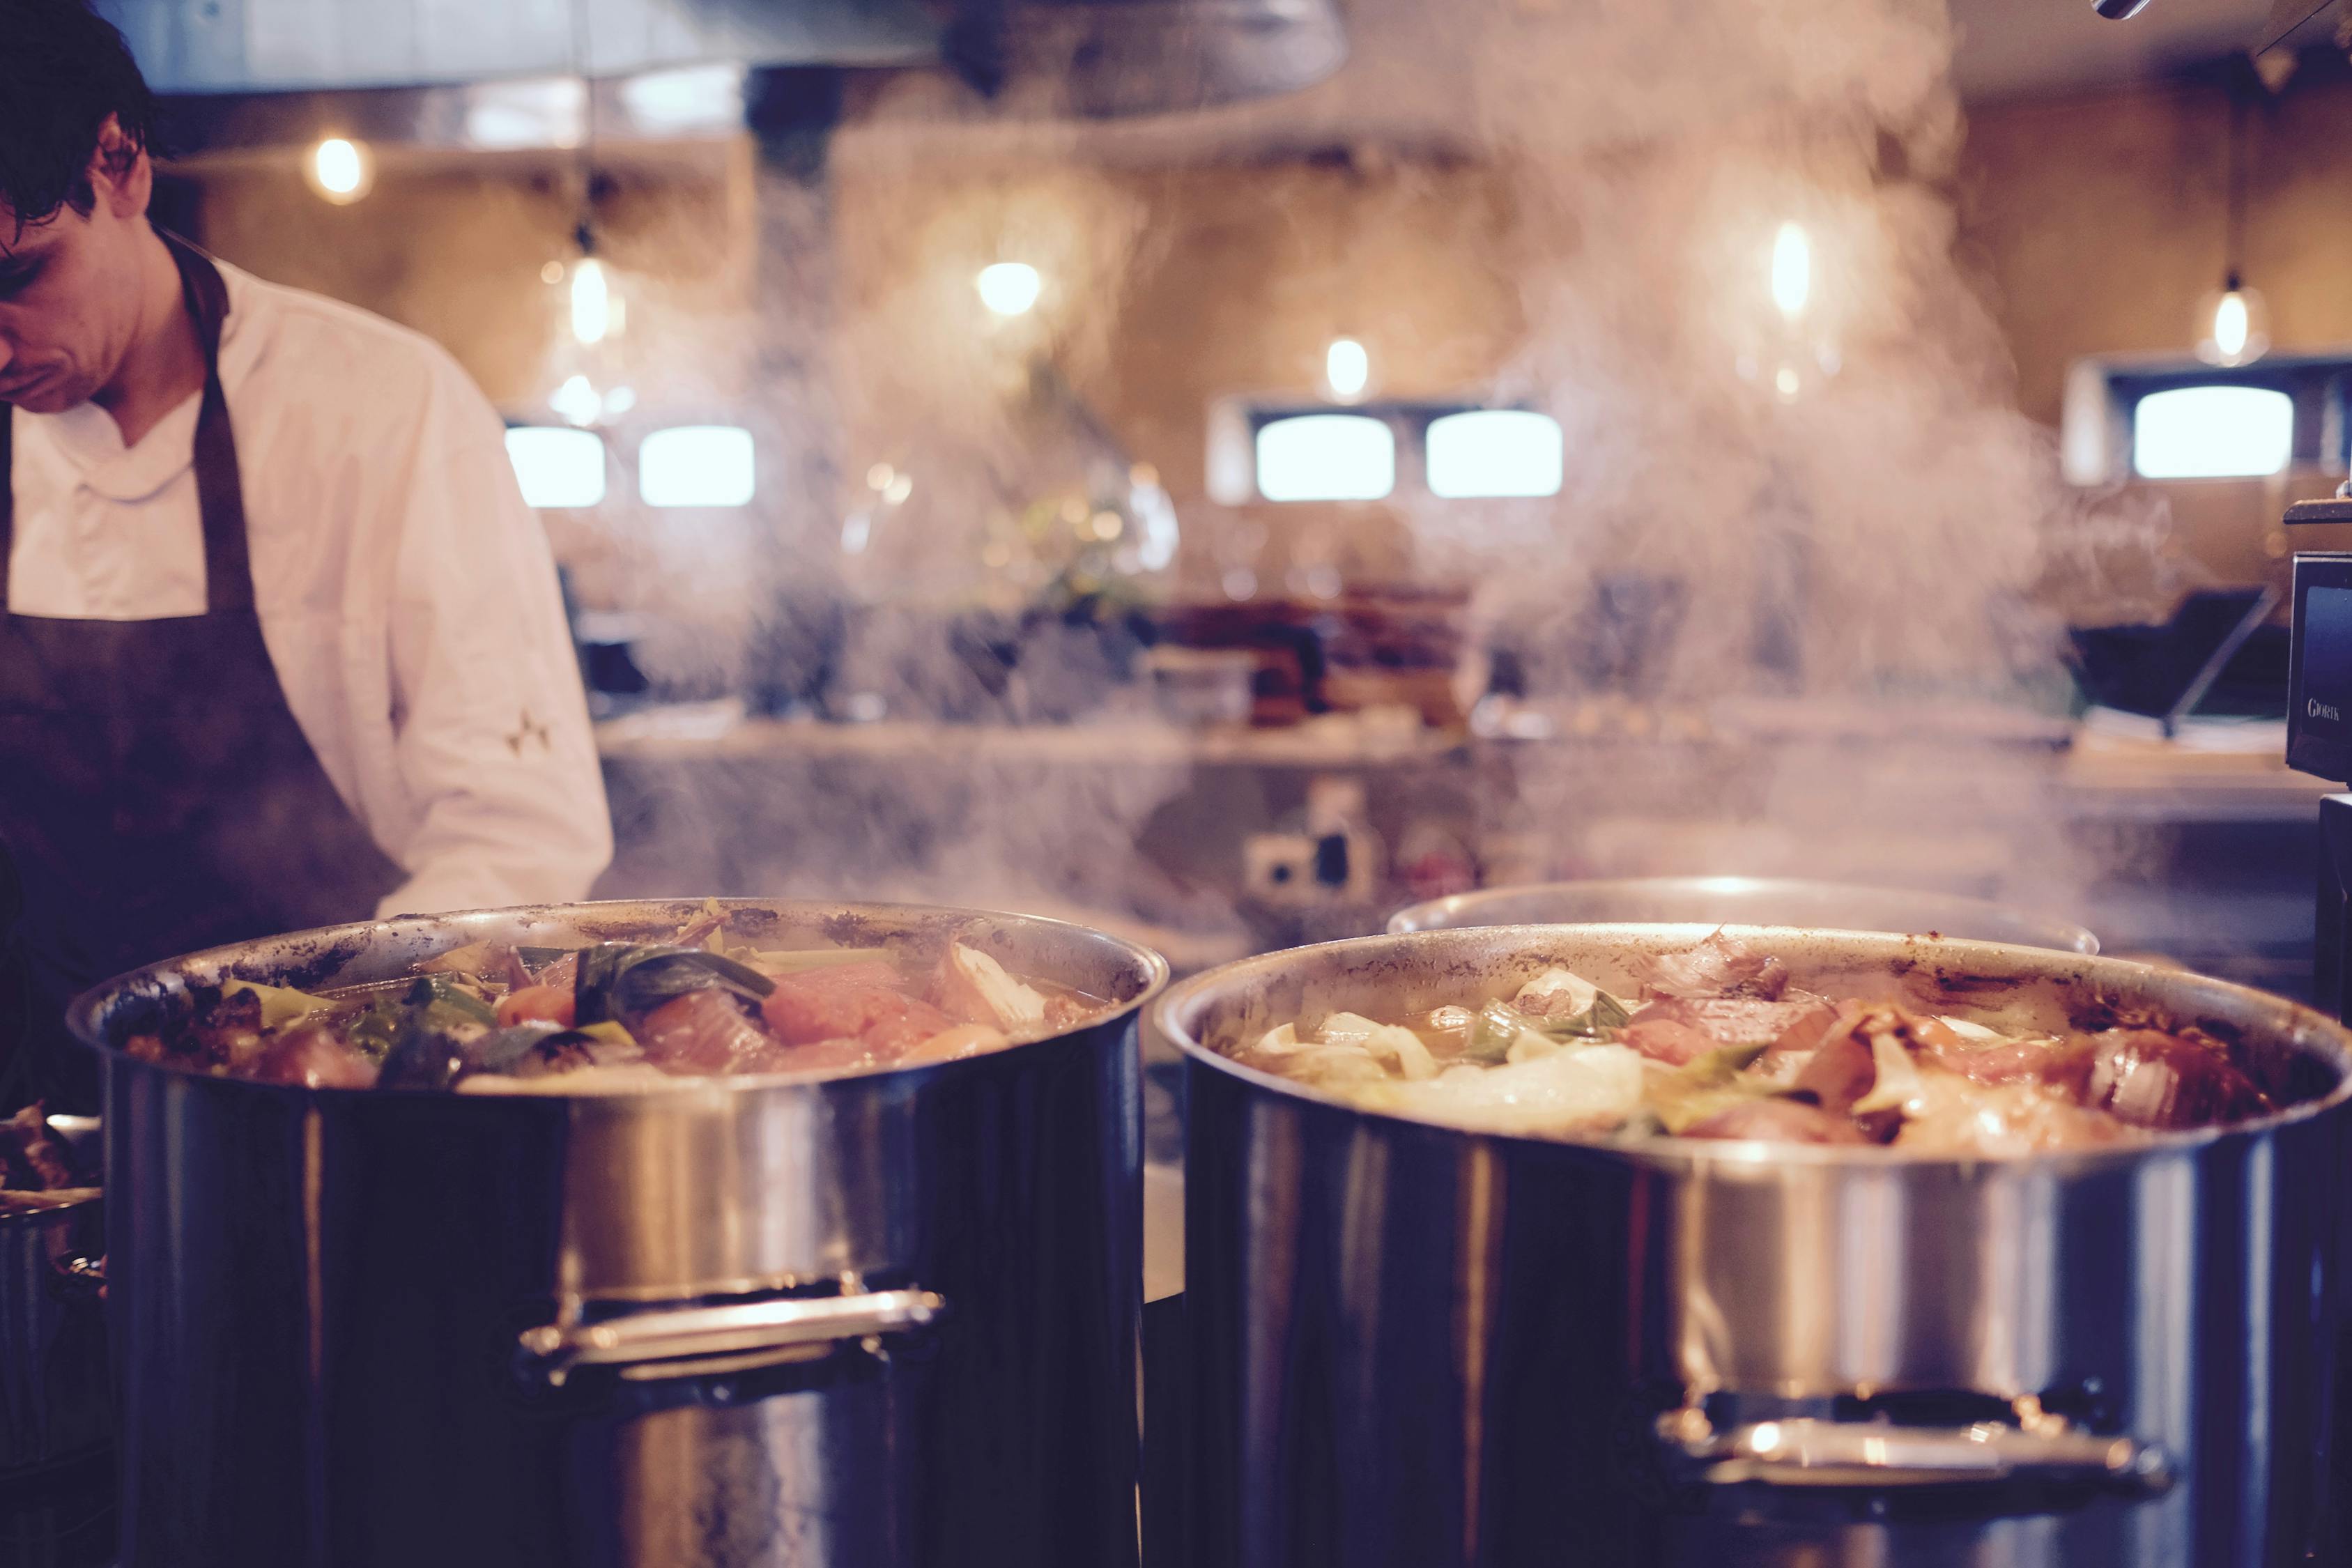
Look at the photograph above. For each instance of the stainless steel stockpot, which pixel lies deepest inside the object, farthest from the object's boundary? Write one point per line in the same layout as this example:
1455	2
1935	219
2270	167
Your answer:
879	1318
57	1391
1416	1345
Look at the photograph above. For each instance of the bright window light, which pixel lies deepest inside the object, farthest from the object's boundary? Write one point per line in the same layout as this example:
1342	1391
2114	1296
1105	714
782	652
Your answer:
558	468
547	112
1495	452
695	465
2212	432
690	97
1326	457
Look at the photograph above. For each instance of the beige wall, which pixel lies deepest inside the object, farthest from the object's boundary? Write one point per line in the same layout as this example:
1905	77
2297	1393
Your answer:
455	248
2092	225
1167	289
2095	226
2096	221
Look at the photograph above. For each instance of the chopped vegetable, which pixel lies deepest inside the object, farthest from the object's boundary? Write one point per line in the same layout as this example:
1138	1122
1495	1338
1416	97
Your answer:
278	1005
424	1058
1725	1043
1897	1084
538	1004
455	1002
1565	1005
1452	1025
624	1014
976	986
1387	1042
474	958
1279	1041
1557	992
1595	1090
1704	1087
1495	1031
623	980
500	1052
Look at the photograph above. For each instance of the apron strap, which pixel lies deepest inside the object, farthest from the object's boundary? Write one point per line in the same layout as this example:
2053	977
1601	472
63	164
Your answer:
220	491
7	498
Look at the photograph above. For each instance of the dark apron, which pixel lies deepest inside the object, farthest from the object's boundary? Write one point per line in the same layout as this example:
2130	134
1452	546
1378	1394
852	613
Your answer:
156	794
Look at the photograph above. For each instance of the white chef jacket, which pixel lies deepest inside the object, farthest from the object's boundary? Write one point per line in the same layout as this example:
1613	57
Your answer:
405	592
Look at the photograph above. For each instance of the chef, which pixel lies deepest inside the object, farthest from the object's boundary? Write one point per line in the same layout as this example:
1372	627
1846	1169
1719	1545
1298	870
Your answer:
281	644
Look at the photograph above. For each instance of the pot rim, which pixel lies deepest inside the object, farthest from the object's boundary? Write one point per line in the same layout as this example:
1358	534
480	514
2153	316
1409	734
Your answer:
1693	1155
1441	913
13	1216
81	1014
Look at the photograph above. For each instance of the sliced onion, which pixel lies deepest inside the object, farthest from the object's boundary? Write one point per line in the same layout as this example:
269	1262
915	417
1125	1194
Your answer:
1280	1042
1897	1084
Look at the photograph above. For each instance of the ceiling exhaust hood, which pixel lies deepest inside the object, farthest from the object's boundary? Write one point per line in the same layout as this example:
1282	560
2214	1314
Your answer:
276	46
458	73
1101	58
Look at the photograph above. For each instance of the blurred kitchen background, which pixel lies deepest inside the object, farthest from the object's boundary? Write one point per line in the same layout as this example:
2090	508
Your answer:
1224	469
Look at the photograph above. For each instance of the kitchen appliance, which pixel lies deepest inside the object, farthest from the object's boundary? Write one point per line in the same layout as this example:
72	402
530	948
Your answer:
1416	1345
1747	900
2217	652
886	1319
2319	738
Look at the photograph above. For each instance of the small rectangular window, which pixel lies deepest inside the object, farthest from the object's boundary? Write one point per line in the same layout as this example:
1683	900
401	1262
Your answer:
1326	457
1495	452
557	468
695	465
2212	432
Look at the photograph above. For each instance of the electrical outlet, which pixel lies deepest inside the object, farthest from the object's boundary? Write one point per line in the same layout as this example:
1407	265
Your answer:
1298	870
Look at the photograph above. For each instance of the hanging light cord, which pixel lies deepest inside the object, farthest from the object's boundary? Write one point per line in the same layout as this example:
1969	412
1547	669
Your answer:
2234	237
584	232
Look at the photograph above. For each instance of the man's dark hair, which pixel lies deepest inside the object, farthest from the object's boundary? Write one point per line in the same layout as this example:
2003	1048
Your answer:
63	69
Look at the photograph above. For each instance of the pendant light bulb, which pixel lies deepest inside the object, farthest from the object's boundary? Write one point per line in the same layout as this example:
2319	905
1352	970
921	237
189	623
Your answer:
1010	288
2233	325
591	301
1792	269
341	170
1347	369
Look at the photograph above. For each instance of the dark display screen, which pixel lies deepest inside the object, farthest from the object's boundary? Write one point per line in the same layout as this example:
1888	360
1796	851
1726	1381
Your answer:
2319	715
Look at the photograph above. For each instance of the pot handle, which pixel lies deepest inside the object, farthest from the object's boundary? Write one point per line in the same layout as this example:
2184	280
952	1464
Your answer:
1808	1452
79	1273
684	1341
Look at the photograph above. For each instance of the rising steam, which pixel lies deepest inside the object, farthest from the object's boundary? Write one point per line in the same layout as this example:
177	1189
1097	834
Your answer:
1716	241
